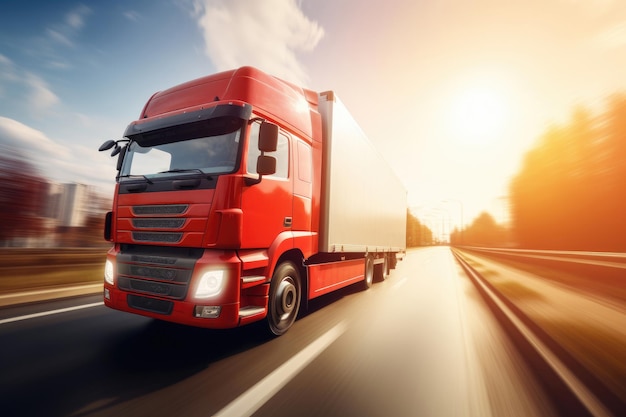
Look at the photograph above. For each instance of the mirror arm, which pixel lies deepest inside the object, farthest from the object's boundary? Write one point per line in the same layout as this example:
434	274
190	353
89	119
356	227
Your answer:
250	181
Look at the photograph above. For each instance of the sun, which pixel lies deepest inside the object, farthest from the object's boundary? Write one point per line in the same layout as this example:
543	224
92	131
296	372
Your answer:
478	115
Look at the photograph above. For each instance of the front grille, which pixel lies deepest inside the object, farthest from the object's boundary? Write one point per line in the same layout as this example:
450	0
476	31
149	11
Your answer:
175	291
150	304
153	259
158	223
160	271
168	209
163	237
165	274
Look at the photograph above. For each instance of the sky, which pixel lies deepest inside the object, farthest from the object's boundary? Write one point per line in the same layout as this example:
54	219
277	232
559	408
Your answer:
452	92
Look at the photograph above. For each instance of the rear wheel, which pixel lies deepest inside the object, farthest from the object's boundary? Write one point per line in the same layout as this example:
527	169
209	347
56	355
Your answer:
382	269
369	272
285	297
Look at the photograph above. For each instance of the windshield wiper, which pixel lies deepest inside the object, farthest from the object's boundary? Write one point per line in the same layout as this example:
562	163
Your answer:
182	170
148	180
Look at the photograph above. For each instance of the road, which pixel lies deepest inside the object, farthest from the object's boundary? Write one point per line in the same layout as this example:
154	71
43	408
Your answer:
422	343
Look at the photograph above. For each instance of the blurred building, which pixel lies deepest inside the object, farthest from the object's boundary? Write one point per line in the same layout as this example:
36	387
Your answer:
67	215
67	204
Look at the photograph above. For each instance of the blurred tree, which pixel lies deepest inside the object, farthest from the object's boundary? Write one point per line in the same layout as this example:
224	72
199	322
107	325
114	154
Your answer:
417	234
612	204
22	197
484	231
568	194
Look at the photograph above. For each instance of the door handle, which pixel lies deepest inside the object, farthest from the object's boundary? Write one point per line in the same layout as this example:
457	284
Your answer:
287	222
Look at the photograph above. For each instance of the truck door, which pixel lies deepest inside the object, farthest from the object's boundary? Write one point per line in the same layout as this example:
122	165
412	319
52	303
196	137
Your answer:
267	206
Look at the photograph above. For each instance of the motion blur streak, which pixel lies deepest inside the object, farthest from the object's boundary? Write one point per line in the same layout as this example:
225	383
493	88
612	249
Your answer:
255	397
582	393
48	313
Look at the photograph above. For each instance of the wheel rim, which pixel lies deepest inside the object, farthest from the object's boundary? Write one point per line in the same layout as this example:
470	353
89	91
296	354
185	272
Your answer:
369	271
286	295
284	303
385	268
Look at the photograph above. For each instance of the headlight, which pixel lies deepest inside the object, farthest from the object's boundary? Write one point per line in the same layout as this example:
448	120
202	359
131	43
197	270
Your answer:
108	272
210	284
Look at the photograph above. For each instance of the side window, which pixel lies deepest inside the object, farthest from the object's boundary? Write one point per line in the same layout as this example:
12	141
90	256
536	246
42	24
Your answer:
253	148
304	162
281	154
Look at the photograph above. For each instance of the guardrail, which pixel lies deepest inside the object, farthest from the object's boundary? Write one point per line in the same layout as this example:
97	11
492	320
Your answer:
562	374
612	258
599	273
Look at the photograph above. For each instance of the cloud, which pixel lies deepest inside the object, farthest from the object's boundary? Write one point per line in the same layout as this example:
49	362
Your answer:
31	142
64	33
4	61
267	34
7	69
594	6
76	18
88	166
41	97
31	89
613	37
78	164
58	37
132	15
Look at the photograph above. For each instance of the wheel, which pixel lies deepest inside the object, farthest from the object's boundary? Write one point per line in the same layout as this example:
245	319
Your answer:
382	271
369	272
393	261
285	297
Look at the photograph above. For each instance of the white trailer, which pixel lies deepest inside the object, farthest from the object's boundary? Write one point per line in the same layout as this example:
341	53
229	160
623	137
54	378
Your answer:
363	202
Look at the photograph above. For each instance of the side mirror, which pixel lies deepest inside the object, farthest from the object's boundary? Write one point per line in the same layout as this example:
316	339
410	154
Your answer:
268	142
117	150
107	145
266	165
268	137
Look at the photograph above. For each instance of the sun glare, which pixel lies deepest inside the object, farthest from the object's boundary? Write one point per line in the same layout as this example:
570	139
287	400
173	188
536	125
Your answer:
478	115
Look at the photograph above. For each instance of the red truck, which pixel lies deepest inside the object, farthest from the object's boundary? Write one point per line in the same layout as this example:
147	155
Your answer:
239	197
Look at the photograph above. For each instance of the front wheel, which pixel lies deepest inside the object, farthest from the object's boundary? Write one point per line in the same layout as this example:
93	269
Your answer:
285	296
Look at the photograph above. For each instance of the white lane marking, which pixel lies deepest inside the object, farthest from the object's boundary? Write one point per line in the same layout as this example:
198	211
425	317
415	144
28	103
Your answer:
251	400
399	283
51	312
50	291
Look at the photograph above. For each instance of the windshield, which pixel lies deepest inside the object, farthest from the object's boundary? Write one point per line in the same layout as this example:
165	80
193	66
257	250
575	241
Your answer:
215	154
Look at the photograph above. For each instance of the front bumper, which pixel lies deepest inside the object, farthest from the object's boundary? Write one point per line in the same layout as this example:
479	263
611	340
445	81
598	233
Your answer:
163	287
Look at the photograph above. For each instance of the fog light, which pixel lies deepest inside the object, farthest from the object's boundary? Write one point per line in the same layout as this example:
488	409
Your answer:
208	312
107	294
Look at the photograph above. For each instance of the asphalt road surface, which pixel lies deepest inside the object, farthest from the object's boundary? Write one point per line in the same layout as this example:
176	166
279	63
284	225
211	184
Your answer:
422	343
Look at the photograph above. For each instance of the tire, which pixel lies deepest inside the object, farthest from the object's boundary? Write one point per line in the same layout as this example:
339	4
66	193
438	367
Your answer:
393	261
382	270
284	298
369	272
